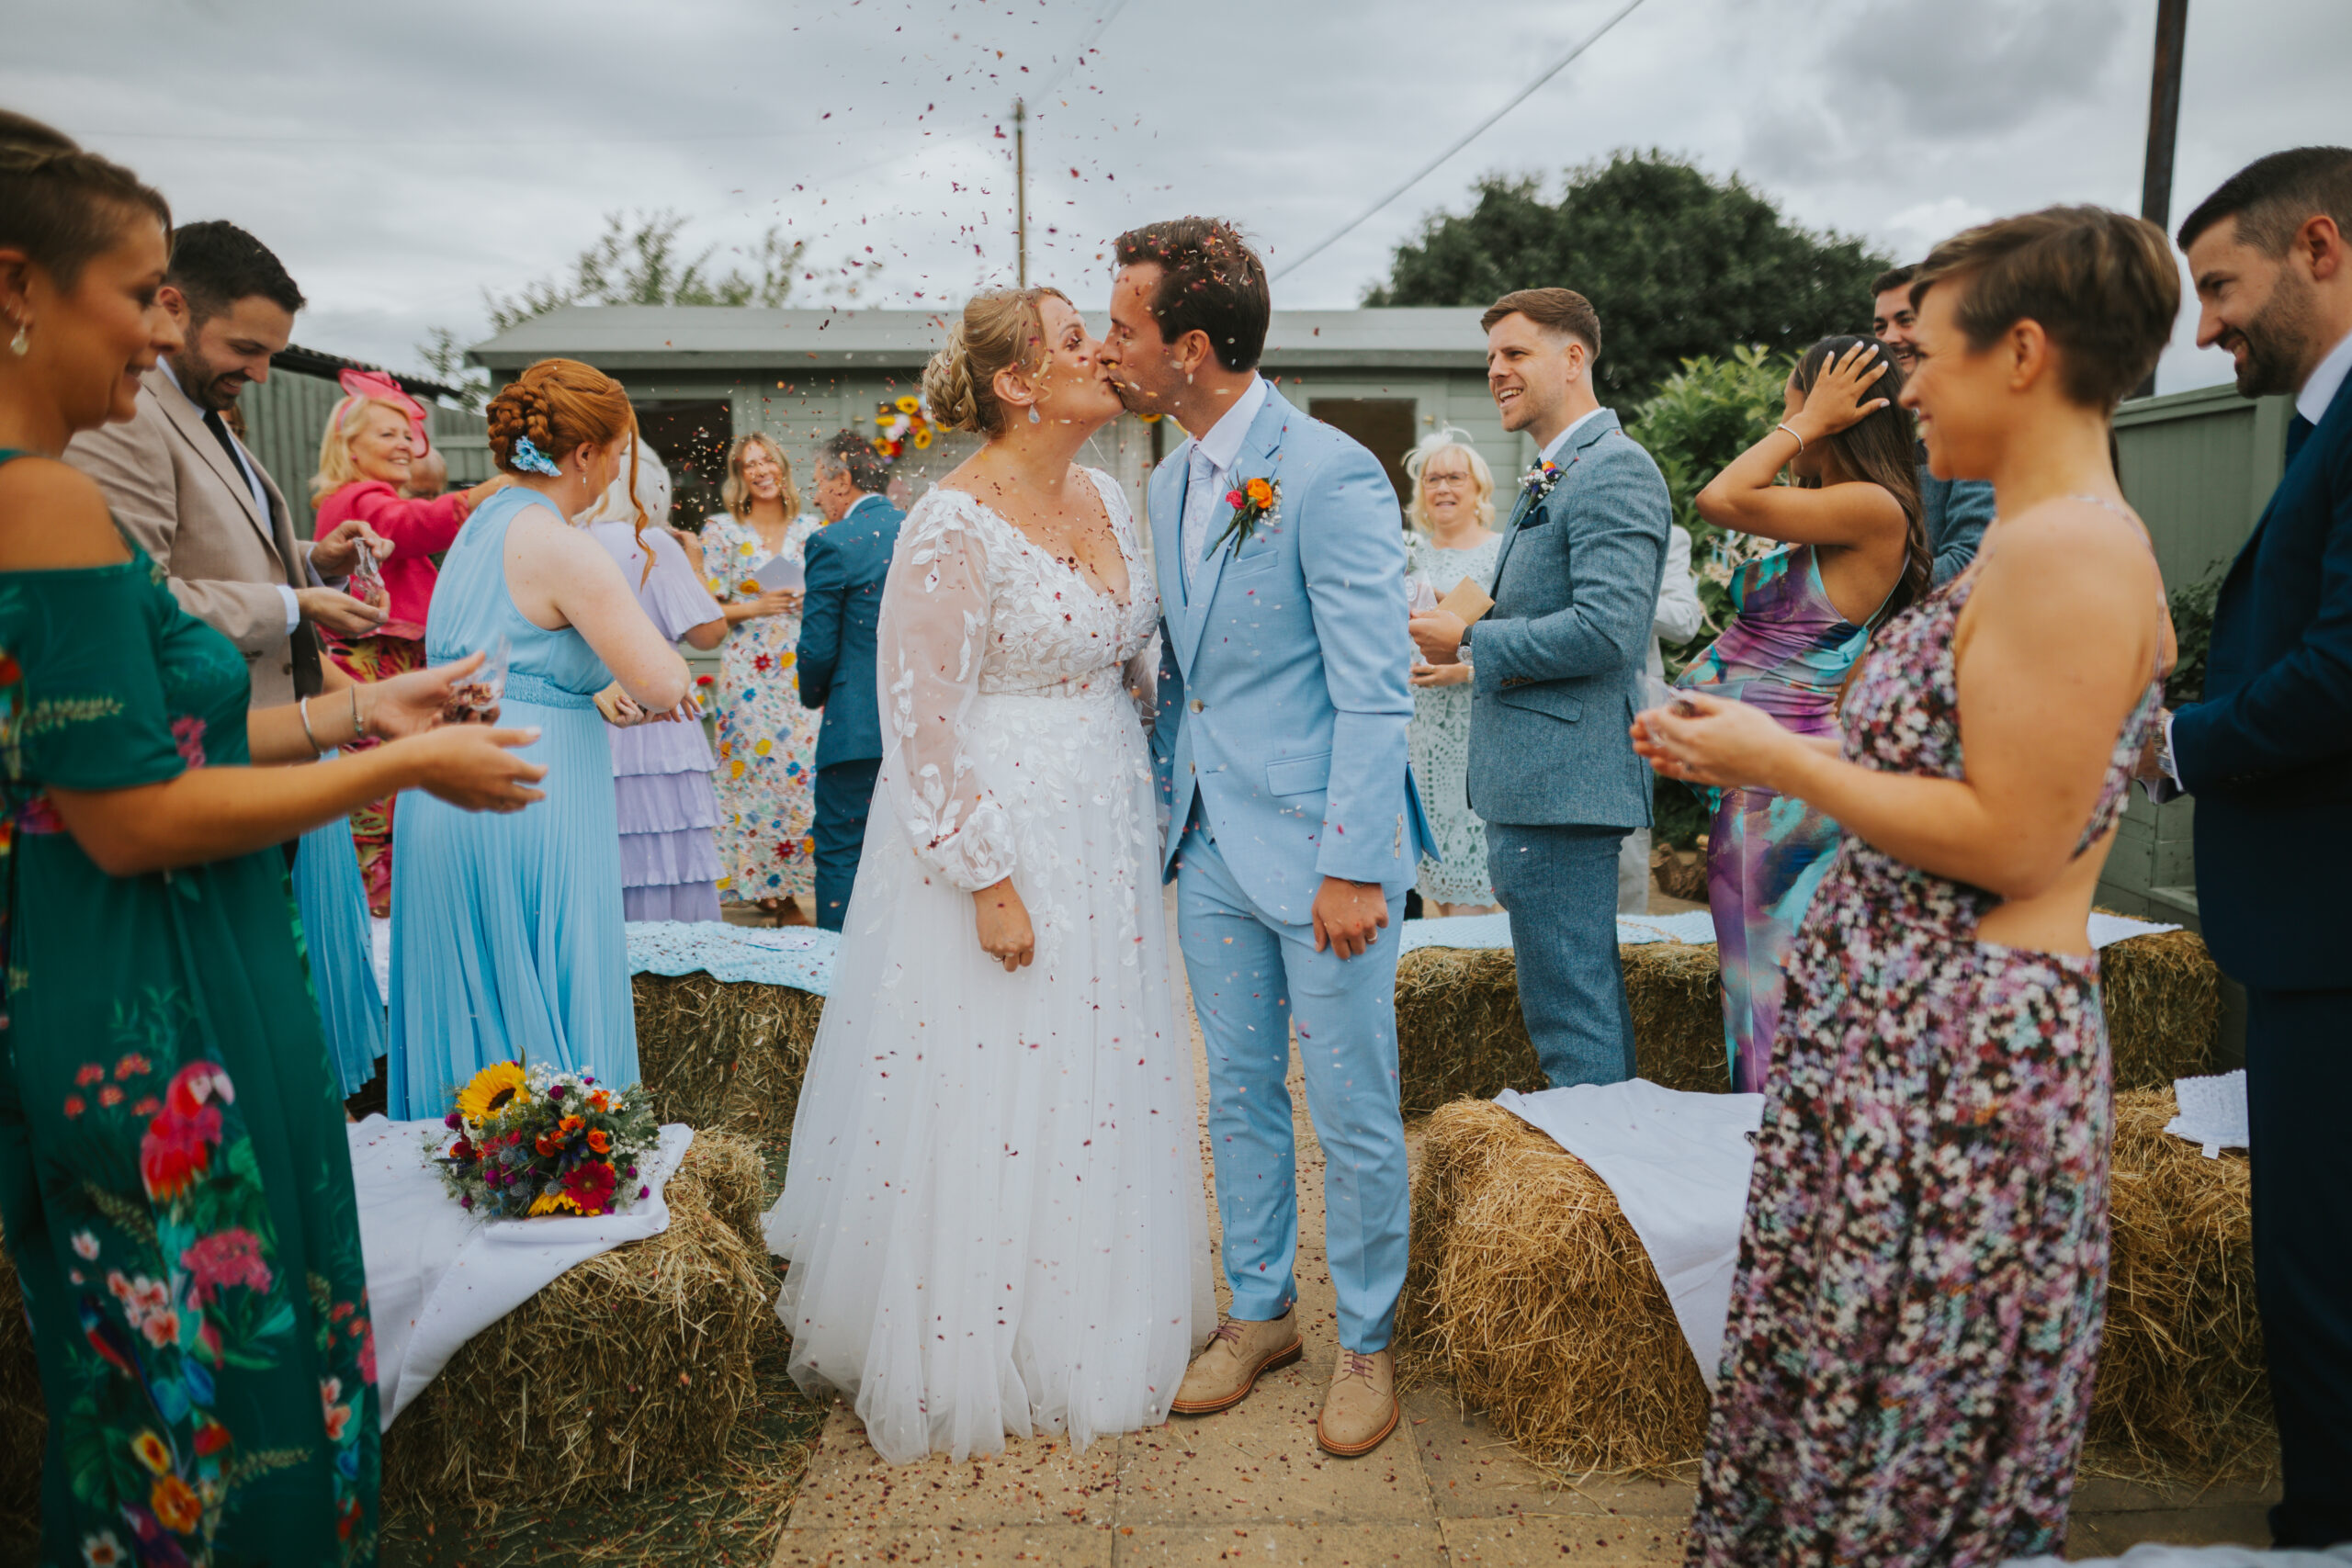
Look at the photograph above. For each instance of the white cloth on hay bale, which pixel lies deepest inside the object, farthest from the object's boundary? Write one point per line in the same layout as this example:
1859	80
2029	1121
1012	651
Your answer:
1696	926
2212	1111
2150	1554
437	1275
1677	1164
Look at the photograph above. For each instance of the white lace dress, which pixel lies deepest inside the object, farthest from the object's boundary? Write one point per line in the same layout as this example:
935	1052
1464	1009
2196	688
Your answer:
993	1213
1439	742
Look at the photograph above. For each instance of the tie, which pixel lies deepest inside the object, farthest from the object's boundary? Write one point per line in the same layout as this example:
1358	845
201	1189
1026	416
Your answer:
310	680
1198	504
2299	430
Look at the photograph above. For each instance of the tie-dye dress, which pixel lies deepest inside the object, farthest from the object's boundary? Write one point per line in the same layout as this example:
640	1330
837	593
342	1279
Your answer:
1786	651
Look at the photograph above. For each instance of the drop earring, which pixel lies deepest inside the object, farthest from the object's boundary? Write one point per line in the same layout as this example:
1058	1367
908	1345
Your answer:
1035	418
20	345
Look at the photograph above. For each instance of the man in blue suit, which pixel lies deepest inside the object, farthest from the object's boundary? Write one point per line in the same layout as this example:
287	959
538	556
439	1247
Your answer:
1556	678
1293	827
846	562
2268	754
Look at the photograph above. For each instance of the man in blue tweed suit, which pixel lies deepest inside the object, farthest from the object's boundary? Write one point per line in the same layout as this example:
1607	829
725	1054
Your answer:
1557	678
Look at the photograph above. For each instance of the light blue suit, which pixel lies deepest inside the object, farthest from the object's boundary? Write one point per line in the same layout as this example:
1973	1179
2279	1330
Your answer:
1283	701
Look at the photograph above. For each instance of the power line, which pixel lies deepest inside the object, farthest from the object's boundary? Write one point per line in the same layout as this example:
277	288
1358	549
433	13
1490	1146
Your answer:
1413	180
1085	41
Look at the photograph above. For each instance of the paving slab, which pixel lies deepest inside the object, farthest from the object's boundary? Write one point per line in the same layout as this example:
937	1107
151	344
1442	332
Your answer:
1474	1472
1554	1539
1417	1545
988	1546
1040	1481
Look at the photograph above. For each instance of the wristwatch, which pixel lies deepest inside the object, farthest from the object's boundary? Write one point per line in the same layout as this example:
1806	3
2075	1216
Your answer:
1461	649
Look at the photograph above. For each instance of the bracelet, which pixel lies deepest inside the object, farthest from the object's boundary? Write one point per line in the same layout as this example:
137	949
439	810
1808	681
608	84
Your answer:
1800	440
303	707
358	731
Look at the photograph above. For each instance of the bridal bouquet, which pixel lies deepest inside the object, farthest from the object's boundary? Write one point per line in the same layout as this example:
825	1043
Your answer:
539	1142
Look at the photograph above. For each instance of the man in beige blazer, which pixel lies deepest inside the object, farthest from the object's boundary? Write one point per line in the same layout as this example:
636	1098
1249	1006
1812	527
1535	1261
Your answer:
189	492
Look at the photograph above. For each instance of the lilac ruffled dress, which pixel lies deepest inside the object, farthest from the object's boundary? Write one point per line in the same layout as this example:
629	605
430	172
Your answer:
662	771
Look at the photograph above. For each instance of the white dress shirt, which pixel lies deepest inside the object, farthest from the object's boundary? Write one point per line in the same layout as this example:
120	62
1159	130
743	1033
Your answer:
261	499
1210	462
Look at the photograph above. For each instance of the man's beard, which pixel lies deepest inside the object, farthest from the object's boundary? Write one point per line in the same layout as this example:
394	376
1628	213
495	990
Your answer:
2278	340
1133	398
205	386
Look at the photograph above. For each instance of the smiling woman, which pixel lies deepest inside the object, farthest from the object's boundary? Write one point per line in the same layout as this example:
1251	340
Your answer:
370	439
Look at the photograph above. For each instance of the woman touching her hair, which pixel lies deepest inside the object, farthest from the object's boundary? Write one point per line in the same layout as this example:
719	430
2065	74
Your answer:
1943	1051
175	1181
1857	554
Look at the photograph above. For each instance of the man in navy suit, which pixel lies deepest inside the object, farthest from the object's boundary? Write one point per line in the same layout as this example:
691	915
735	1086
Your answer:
846	563
2268	755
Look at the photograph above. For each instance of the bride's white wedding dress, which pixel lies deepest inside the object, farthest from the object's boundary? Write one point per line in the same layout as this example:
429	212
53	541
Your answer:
993	1213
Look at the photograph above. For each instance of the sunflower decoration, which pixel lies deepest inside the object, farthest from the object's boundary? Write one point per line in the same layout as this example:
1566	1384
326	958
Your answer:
900	422
525	1142
492	1091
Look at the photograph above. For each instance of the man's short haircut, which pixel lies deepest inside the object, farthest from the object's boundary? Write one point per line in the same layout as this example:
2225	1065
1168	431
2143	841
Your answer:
2102	285
1210	281
854	454
2273	196
1555	310
215	263
1893	277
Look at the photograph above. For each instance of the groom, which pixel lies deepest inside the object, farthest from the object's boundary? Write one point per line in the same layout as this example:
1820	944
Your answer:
1293	825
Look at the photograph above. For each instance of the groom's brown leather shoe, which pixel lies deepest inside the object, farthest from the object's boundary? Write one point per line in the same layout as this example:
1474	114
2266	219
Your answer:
1239	1353
1361	1410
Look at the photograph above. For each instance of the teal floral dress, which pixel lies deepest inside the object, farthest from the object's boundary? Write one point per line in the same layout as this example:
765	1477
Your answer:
175	1181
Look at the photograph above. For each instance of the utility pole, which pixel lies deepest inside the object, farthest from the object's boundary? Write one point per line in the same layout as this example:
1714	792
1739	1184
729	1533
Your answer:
2164	123
1021	178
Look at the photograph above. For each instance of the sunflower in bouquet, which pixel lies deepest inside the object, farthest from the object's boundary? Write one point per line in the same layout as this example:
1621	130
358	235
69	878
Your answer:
533	1141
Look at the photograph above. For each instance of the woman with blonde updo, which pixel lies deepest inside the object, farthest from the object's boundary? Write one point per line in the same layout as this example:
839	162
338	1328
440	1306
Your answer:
507	937
372	438
993	1211
1453	513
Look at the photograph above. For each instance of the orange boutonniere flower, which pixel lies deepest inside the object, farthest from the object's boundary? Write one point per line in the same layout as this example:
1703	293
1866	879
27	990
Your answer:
1253	502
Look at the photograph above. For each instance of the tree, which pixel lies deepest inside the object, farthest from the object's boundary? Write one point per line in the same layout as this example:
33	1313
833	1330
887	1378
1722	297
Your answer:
1677	264
635	262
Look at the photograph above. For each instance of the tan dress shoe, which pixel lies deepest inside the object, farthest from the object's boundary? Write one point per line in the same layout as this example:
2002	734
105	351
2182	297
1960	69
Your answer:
1239	1353
1361	1410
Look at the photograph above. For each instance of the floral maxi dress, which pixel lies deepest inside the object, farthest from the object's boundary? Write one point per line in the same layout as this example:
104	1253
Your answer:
768	741
174	1180
1922	1277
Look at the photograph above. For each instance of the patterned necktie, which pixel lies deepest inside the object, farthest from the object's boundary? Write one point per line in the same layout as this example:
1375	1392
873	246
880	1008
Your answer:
309	678
1202	480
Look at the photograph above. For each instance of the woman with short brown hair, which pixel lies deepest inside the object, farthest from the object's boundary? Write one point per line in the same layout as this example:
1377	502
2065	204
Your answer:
1915	1325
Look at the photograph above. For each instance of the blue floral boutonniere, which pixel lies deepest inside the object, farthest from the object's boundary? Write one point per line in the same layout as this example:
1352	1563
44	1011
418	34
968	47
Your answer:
1541	479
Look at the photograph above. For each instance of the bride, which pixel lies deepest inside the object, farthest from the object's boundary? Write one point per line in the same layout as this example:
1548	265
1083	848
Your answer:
993	1214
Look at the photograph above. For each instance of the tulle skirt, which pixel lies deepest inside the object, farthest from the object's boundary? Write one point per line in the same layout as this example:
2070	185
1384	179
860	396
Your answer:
993	1211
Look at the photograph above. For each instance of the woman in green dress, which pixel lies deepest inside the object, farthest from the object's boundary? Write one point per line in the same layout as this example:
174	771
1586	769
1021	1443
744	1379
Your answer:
175	1181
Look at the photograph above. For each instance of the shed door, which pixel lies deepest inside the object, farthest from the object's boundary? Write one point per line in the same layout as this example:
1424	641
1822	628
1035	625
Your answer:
1387	426
692	435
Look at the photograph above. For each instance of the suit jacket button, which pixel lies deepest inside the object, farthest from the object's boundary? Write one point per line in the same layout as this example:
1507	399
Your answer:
1196	705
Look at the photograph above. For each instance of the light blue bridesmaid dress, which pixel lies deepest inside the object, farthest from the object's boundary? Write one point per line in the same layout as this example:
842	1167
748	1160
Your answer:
507	939
340	946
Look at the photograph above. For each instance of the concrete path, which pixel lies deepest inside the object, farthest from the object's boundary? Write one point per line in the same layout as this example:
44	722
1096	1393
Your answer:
1250	1487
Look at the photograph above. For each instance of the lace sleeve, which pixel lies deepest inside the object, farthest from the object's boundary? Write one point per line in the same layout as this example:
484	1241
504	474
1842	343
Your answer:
934	636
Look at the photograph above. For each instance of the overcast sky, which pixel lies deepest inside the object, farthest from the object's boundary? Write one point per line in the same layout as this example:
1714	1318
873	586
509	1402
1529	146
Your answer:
400	159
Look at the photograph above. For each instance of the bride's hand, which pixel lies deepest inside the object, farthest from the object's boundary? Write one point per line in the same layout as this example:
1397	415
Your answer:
1004	921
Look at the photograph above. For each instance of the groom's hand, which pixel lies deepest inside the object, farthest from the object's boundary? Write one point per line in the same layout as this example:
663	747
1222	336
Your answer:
1348	915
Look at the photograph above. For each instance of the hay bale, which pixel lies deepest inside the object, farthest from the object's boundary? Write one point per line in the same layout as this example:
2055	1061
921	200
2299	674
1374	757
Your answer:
2163	997
1528	1290
1460	1034
630	1369
726	1174
726	1057
2180	1375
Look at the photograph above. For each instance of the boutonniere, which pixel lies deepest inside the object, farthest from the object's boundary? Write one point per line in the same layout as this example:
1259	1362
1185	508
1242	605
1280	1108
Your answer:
1253	502
1540	480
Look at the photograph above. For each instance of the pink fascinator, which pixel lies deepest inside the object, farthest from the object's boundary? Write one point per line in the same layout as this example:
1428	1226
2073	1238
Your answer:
377	386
